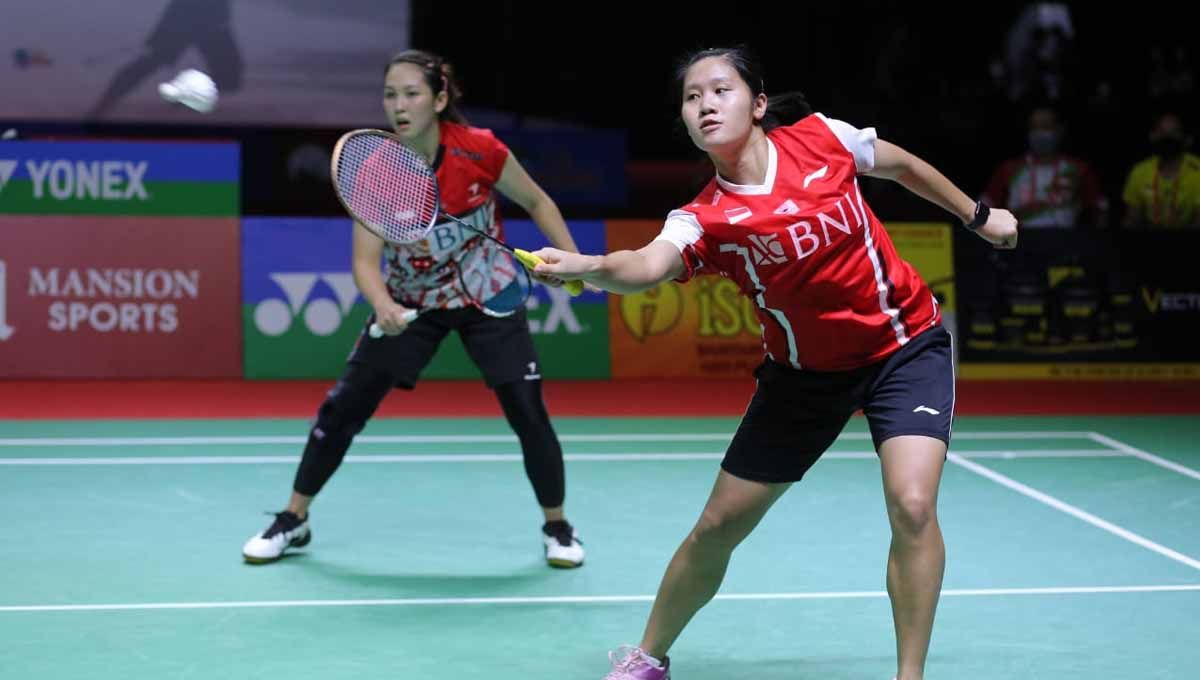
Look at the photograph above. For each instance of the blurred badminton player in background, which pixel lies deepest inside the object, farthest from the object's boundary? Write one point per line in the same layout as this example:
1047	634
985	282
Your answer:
206	25
419	97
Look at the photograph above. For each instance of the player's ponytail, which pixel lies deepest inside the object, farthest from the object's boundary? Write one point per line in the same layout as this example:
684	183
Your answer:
782	109
439	74
785	109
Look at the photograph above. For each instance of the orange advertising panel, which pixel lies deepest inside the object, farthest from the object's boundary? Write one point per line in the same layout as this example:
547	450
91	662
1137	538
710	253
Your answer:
704	328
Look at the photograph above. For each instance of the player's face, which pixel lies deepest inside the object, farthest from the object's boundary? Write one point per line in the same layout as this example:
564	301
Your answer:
409	102
718	108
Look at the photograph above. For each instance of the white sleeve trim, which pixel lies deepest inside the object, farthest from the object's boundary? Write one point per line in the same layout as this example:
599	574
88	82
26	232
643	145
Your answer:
860	143
681	229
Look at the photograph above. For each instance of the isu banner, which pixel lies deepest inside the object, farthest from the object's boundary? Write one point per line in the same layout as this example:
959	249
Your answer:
127	297
704	328
707	329
302	312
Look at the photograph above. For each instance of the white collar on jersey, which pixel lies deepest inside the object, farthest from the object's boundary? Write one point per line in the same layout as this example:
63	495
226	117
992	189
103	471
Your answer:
755	189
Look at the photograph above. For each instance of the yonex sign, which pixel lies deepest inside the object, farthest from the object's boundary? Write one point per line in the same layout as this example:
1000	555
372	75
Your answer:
119	178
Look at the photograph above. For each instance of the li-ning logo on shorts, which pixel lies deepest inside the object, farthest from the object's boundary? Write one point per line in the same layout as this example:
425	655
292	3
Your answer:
533	371
925	409
767	249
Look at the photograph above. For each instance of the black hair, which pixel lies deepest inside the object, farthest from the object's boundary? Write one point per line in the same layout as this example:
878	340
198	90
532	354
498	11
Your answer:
439	75
782	109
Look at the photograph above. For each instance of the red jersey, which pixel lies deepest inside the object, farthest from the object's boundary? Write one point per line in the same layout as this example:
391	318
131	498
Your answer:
469	162
830	290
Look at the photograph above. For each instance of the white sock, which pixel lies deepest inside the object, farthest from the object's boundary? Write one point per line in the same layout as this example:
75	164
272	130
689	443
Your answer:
653	661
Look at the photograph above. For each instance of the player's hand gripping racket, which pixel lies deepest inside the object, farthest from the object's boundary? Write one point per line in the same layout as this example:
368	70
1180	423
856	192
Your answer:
392	191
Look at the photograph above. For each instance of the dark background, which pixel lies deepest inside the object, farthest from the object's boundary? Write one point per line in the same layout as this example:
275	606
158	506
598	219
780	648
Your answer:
924	74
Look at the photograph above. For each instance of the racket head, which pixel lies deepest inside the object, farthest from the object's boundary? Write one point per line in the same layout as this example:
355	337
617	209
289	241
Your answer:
384	185
493	279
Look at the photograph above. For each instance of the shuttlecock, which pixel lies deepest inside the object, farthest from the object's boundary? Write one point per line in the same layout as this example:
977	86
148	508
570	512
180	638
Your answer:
192	88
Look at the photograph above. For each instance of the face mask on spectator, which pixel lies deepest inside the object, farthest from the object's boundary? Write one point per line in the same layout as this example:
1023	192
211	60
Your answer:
1169	147
1043	142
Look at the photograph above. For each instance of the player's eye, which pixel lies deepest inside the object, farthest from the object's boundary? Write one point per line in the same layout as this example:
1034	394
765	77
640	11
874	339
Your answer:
692	97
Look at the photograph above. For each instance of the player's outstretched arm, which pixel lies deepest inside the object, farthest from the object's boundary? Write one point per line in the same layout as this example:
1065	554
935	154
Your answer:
921	178
621	271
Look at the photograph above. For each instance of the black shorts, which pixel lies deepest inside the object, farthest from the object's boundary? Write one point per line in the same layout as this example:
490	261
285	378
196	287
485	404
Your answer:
501	347
795	415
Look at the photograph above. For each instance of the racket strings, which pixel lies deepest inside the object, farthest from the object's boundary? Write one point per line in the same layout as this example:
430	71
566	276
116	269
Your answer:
388	187
493	278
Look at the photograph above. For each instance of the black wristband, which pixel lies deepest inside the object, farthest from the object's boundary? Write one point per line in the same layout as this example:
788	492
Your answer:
982	212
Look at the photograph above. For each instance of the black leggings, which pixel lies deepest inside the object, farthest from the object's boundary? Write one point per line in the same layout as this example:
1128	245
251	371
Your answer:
353	401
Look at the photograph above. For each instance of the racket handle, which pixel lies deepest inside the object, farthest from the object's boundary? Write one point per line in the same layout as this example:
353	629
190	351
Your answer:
530	261
376	331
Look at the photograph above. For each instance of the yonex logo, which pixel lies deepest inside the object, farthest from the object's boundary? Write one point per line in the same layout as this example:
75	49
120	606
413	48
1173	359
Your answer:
322	315
97	180
560	313
926	409
767	249
7	168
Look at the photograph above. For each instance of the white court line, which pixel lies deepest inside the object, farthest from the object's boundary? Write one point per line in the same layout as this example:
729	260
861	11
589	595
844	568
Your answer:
1074	511
512	457
466	439
585	599
1148	457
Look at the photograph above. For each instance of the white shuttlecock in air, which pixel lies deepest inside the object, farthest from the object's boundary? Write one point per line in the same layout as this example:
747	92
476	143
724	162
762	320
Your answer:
192	88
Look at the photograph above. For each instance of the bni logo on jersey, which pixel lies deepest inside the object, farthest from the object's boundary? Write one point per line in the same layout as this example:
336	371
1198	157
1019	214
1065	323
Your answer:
767	249
322	315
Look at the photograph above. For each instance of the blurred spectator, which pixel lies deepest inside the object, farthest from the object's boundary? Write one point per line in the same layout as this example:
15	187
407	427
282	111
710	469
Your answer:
1171	78
1045	188
1038	53
1164	190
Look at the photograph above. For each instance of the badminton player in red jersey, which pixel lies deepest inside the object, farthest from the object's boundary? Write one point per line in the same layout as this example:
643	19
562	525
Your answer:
419	97
847	325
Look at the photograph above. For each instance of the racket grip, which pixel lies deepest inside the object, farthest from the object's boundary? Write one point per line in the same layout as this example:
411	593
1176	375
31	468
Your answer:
375	331
530	261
